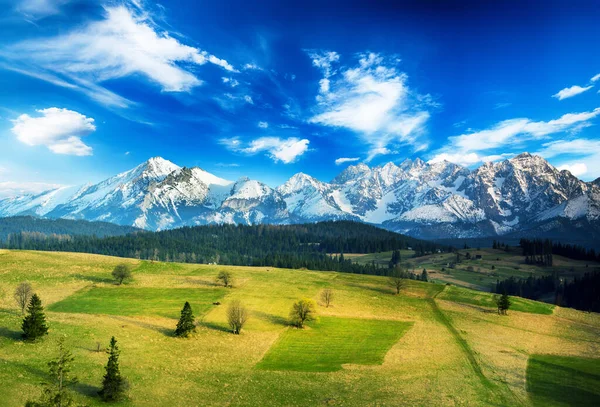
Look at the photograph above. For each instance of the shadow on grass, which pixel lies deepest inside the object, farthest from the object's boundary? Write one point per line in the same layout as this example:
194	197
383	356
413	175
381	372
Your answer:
34	371
378	289
146	325
10	334
214	326
86	389
274	319
94	279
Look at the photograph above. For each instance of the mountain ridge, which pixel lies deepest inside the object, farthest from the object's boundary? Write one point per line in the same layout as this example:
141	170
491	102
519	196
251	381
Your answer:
414	197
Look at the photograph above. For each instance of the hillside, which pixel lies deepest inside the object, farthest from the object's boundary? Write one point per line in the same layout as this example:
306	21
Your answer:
48	227
482	274
523	195
292	246
431	345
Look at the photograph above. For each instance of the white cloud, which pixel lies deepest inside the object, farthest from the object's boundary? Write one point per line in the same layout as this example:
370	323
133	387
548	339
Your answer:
466	149
580	156
12	188
371	99
248	99
60	130
251	67
576	169
37	9
263	125
124	43
570	92
460	159
230	81
506	132
595	78
284	150
343	160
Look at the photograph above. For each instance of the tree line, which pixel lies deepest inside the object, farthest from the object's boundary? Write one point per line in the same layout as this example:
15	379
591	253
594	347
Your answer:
286	246
582	293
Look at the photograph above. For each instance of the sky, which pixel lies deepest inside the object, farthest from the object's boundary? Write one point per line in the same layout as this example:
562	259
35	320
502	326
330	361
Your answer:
267	89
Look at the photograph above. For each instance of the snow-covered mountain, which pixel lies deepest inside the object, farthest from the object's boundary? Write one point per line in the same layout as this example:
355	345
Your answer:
420	199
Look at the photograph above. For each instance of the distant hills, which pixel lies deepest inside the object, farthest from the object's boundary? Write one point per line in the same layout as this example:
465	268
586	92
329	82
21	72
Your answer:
524	195
49	227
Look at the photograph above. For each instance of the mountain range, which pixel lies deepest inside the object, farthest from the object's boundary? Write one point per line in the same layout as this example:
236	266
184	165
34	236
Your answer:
432	201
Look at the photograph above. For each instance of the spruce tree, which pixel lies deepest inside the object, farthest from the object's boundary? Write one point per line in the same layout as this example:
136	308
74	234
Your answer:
503	304
56	391
186	322
34	324
113	384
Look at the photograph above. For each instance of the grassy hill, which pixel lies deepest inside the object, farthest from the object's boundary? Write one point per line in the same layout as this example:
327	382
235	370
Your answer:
480	274
431	345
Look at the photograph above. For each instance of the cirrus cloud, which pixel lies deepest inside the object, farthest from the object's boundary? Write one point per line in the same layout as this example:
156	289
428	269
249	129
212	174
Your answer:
125	43
58	129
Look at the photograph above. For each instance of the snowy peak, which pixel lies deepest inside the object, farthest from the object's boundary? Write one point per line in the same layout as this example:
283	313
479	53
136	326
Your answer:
353	172
300	183
425	200
156	167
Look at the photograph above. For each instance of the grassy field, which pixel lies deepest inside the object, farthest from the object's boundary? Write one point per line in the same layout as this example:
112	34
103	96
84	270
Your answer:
479	274
332	342
431	345
563	381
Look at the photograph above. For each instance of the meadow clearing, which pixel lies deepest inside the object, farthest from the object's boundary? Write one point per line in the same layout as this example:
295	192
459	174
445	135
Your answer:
480	274
433	344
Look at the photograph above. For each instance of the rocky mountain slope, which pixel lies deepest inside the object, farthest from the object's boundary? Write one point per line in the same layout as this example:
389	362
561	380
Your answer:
414	197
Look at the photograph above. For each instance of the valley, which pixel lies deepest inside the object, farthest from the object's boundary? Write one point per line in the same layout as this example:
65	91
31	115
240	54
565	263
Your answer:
434	344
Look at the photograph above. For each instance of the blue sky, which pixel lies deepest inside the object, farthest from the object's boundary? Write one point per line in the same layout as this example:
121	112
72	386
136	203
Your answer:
273	88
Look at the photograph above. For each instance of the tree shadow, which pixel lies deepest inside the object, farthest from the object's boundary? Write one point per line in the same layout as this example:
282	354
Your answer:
29	369
214	326
274	319
86	389
378	289
10	334
146	325
94	279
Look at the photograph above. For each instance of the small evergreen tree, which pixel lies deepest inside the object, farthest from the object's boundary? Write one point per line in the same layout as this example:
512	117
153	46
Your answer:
56	392
186	323
424	275
34	324
114	385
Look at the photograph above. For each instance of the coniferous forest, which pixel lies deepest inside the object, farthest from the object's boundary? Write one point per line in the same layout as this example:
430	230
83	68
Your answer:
315	246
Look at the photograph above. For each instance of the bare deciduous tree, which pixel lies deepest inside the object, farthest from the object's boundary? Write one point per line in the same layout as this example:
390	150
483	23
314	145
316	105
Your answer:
396	280
237	315
22	295
327	297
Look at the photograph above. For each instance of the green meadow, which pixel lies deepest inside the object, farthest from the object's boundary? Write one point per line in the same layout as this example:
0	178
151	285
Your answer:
432	345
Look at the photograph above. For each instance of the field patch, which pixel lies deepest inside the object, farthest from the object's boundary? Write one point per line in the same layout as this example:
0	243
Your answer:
326	345
483	299
563	381
165	302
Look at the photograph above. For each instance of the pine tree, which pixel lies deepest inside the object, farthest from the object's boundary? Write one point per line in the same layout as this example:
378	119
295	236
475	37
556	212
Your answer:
424	275
34	324
113	384
56	391
186	321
